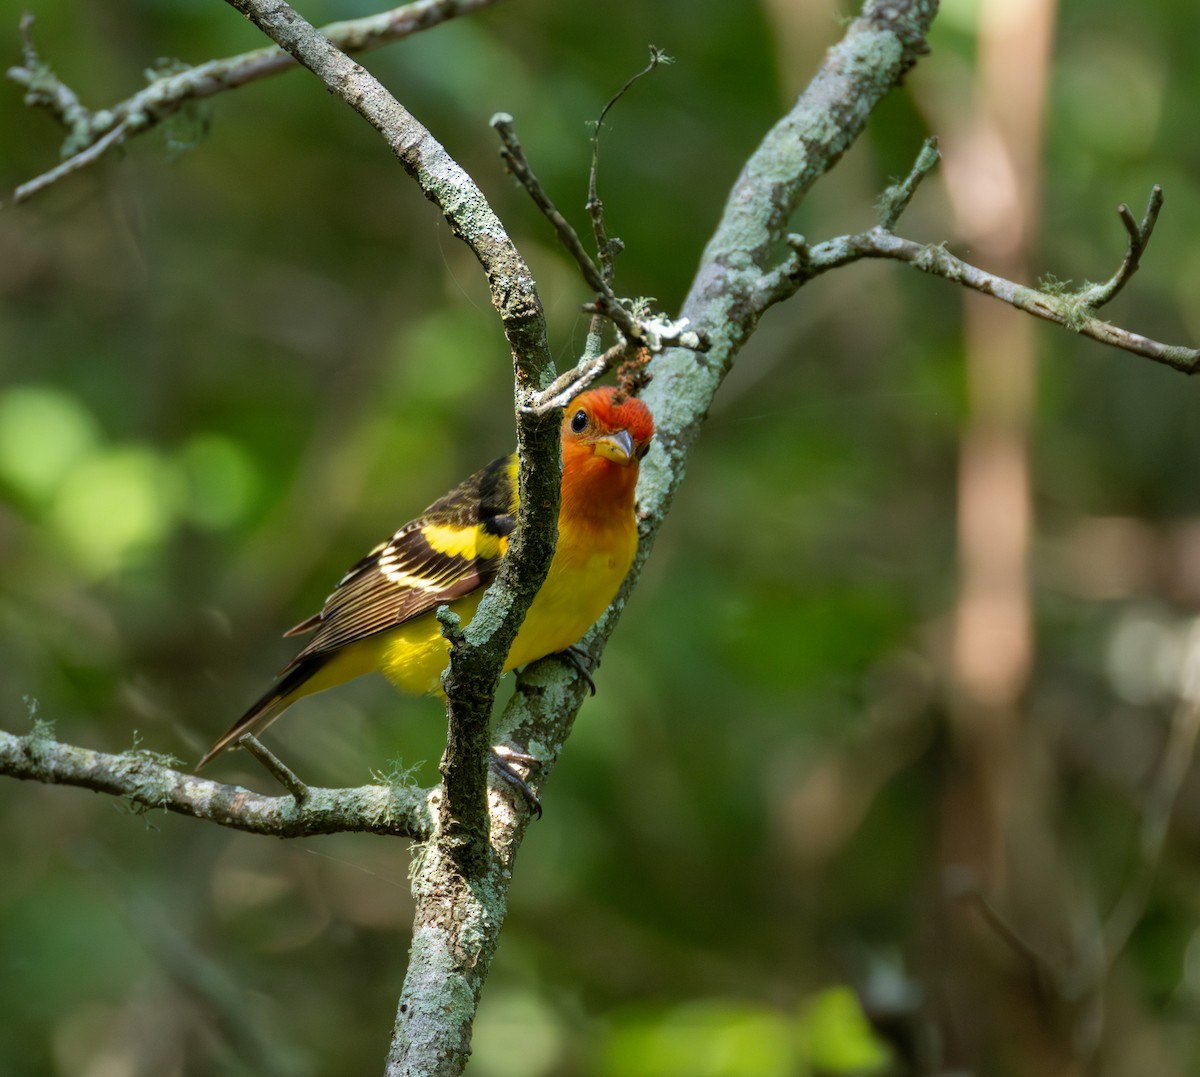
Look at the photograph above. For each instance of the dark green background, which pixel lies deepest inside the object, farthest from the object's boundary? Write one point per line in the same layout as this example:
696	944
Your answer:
225	377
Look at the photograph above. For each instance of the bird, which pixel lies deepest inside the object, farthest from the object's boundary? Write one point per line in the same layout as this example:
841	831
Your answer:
382	615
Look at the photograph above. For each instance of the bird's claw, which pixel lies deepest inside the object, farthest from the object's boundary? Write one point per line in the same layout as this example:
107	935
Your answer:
502	760
581	662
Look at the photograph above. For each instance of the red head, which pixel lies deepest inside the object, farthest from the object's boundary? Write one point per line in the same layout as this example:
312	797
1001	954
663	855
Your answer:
595	423
604	438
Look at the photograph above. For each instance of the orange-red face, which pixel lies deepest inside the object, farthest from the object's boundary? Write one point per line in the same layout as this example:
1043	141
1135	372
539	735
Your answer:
619	432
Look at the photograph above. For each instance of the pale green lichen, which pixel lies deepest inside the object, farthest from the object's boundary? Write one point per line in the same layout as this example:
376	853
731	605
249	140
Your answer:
398	777
148	778
398	782
934	258
1049	284
42	731
145	755
1076	311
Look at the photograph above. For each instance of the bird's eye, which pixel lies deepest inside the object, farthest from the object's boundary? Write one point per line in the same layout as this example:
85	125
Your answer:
579	421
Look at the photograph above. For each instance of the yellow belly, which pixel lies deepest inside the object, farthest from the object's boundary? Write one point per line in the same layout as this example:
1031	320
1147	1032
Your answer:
580	585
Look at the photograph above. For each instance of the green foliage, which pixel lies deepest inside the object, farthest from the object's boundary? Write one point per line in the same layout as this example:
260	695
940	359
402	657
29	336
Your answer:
223	379
720	1038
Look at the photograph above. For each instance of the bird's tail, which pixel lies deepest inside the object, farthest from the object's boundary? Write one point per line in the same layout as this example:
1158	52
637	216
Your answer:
269	706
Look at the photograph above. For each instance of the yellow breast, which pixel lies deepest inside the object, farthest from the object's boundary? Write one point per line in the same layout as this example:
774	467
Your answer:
588	567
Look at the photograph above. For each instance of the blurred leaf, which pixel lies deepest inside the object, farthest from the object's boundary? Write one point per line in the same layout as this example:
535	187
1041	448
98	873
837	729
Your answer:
44	432
838	1038
701	1039
221	482
115	504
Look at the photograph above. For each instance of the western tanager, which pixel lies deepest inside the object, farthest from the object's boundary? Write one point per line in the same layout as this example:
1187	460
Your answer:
381	616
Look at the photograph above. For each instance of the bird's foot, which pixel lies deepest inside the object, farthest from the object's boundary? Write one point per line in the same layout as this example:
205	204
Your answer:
502	759
581	662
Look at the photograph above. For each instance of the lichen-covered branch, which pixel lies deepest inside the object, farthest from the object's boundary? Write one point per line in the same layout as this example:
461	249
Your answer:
460	881
91	133
479	655
727	298
149	783
1073	310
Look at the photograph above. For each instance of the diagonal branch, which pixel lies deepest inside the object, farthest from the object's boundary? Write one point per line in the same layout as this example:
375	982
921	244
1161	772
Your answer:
1160	802
113	137
1074	310
466	867
91	134
726	300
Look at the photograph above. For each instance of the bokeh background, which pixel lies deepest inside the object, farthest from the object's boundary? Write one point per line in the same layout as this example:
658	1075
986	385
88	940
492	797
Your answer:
888	771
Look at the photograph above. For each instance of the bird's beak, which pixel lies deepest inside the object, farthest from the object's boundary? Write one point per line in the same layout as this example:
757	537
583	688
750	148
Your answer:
617	446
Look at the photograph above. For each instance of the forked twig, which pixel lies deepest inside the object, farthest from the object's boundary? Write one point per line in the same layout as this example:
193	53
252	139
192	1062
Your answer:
639	328
518	165
1139	237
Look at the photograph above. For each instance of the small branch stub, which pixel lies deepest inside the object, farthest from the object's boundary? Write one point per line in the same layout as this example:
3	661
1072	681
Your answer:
896	198
275	766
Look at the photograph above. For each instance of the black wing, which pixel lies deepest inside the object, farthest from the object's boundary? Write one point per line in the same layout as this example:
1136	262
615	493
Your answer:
450	550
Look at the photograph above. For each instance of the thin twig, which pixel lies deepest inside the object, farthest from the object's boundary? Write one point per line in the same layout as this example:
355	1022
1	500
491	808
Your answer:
652	331
73	164
43	90
560	392
1160	802
1042	972
608	248
896	198
797	269
518	165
